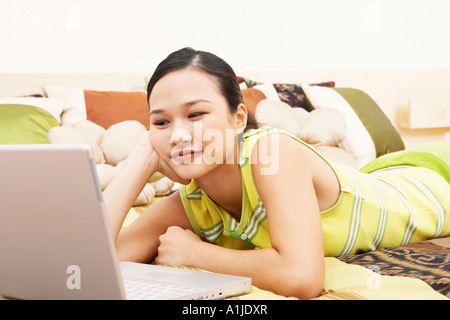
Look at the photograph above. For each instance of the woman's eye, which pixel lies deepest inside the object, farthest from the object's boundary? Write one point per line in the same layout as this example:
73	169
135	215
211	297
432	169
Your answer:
160	122
195	114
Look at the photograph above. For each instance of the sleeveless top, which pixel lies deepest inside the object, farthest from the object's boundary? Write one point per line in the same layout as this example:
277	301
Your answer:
374	210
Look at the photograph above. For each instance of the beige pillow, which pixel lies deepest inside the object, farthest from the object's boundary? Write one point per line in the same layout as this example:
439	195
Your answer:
120	139
278	114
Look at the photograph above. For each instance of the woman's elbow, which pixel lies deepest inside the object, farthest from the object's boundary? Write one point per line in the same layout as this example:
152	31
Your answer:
302	284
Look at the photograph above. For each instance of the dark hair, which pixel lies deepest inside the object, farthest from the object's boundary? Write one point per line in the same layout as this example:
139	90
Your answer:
221	72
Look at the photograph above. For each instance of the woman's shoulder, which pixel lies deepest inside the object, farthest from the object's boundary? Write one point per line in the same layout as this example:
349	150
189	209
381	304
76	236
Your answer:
273	144
291	164
278	153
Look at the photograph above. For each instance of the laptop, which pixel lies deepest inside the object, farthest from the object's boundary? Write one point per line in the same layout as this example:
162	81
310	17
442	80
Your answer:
55	240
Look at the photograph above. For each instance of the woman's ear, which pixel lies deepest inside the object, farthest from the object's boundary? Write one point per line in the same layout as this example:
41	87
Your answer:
241	118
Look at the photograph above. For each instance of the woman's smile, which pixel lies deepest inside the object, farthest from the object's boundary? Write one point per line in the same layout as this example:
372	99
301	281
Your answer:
185	156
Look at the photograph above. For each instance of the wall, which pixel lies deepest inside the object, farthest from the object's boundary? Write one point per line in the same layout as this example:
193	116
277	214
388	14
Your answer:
61	36
252	35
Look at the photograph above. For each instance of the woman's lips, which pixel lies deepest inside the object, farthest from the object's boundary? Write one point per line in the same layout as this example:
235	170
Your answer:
185	156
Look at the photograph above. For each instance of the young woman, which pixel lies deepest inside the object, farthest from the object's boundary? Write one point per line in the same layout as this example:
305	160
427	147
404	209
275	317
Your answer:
262	189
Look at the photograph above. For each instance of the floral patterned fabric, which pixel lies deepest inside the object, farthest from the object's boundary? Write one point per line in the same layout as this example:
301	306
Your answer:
290	93
294	96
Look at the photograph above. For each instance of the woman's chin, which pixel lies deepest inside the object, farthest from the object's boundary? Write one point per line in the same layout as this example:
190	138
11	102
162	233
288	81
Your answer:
189	172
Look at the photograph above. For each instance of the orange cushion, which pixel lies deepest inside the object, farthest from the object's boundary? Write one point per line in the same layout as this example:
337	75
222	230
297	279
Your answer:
251	97
106	108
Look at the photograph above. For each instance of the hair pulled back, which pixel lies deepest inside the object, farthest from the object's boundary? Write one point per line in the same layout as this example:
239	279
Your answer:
221	73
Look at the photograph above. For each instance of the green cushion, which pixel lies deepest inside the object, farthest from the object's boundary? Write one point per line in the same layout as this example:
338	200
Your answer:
24	124
385	137
370	133
433	155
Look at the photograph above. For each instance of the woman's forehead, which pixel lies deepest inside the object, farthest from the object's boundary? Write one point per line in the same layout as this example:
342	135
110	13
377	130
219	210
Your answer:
182	86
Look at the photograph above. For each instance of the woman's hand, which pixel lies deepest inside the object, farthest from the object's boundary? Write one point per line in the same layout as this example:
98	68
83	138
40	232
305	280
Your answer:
134	174
177	247
144	149
166	170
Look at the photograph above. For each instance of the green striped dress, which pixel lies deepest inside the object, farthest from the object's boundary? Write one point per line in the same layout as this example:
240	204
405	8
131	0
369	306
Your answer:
380	209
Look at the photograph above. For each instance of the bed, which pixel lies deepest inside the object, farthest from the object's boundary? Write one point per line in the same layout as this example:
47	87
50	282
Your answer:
32	104
418	271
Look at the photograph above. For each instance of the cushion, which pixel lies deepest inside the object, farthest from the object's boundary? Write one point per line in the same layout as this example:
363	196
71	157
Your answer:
278	114
433	155
104	108
370	133
53	106
290	93
293	94
245	83
119	140
323	127
251	97
320	127
24	124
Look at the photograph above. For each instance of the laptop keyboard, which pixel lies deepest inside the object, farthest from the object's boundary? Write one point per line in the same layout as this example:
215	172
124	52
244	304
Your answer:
149	290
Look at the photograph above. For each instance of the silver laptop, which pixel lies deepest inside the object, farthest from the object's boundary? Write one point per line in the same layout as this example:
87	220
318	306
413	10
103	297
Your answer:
55	240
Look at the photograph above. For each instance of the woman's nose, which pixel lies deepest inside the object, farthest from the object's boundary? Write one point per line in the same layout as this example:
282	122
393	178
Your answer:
180	135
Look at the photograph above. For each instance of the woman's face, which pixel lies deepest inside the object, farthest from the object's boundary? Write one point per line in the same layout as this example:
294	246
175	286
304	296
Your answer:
191	127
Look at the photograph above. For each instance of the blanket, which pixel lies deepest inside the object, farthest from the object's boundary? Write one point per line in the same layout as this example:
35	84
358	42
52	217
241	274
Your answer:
434	156
428	261
345	281
418	271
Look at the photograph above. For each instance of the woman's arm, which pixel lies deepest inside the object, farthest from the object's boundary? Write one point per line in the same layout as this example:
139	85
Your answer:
124	189
294	266
139	241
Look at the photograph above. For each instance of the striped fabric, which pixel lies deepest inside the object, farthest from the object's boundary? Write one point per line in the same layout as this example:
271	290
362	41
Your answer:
386	208
382	209
213	224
